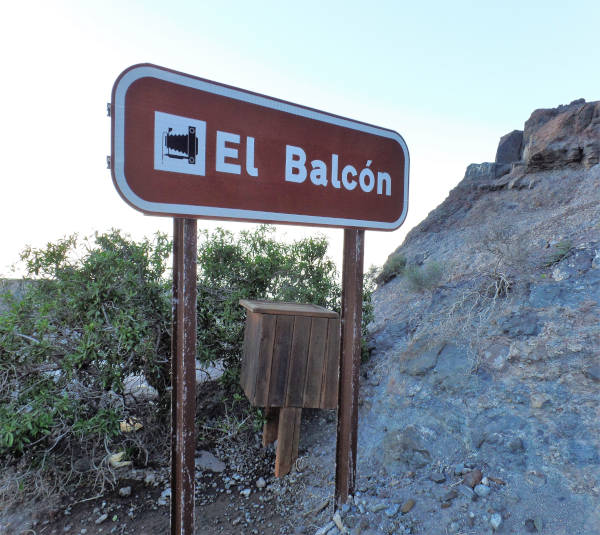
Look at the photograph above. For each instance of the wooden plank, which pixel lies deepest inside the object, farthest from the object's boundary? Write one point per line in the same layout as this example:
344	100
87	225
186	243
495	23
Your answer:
298	362
329	392
288	438
288	309
271	426
296	438
265	355
279	366
250	355
314	368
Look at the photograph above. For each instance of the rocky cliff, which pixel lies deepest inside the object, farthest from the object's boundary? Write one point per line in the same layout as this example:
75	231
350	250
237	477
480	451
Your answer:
486	344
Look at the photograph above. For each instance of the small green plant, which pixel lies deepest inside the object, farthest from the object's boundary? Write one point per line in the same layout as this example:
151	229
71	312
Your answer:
425	277
393	267
368	312
561	250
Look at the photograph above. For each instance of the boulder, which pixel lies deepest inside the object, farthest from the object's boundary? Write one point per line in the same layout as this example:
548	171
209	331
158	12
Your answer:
481	172
406	446
138	387
509	148
419	358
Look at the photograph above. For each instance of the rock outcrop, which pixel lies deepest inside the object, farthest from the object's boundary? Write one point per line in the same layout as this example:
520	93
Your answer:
566	135
563	137
496	365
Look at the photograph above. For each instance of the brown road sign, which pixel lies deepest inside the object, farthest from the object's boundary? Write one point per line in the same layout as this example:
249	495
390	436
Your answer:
187	147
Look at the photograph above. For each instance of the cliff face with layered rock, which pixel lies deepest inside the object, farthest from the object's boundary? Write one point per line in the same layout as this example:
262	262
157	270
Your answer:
491	361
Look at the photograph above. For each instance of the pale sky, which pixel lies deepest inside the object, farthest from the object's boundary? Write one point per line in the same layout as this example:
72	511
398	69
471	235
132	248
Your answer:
450	77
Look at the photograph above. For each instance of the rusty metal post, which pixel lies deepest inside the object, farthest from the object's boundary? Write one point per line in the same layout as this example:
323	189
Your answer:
177	246
183	376
347	429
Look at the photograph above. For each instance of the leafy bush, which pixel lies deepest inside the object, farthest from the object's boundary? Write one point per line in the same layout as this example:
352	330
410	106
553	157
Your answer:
98	311
92	315
426	277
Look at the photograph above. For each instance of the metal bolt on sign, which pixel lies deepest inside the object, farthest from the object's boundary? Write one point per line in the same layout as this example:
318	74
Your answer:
190	148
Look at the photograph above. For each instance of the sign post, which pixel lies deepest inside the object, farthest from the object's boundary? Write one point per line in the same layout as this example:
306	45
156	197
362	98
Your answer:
190	148
347	428
183	376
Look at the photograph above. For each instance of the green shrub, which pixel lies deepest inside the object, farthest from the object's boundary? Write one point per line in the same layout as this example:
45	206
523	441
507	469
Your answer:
253	265
393	267
560	251
99	310
425	277
95	314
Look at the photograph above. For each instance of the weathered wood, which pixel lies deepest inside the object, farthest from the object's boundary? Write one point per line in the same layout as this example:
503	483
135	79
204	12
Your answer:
314	369
288	309
271	426
263	370
288	437
329	390
279	367
352	282
250	354
290	360
298	362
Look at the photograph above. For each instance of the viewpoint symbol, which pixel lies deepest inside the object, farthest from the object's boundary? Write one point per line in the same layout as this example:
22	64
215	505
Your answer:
179	144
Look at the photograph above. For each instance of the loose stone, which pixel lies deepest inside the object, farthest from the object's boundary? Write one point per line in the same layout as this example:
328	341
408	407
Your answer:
376	507
407	506
465	491
125	491
392	510
437	477
261	483
325	529
530	526
482	491
338	522
101	518
450	495
495	521
473	478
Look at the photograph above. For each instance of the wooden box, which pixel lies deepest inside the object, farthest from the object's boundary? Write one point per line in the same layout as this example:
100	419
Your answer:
291	355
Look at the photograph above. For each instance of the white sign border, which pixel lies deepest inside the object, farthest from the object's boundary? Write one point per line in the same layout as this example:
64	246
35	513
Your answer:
136	72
